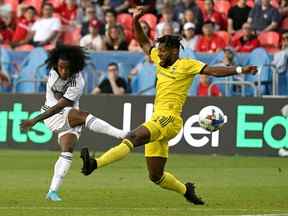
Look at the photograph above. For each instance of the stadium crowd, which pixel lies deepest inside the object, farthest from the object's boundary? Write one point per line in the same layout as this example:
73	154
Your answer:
206	26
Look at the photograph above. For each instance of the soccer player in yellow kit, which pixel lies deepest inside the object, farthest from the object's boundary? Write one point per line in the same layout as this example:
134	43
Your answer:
174	77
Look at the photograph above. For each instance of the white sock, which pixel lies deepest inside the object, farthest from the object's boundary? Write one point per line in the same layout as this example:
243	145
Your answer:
61	168
100	126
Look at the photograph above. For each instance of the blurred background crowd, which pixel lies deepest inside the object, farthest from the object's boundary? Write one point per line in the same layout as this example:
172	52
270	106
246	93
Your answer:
206	25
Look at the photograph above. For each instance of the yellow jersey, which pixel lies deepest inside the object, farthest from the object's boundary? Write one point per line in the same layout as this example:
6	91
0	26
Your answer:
173	82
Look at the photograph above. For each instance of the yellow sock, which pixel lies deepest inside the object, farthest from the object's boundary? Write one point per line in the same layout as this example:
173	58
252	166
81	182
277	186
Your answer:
116	153
170	182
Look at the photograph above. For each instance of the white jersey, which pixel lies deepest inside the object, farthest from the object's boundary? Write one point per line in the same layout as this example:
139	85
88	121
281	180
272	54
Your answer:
56	88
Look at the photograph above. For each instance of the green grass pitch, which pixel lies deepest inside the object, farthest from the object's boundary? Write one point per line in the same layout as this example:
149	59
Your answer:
230	186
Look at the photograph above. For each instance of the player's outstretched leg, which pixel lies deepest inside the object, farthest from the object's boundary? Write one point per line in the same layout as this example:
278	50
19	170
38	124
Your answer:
168	181
114	154
138	137
78	118
62	165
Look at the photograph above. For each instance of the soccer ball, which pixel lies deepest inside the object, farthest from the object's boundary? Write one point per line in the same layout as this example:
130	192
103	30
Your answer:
211	118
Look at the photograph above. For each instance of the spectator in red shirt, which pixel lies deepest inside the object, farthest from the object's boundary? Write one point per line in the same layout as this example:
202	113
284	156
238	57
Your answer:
209	41
210	14
24	24
248	41
202	89
5	33
67	11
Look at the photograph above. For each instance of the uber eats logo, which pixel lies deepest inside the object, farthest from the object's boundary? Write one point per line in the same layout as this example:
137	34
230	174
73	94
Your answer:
11	120
245	126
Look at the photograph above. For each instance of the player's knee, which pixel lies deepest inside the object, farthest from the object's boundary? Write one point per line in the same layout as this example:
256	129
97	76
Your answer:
77	117
155	177
133	138
67	147
136	139
83	115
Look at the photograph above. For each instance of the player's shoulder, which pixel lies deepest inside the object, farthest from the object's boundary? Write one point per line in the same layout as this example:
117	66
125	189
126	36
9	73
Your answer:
79	79
190	65
187	62
153	51
53	74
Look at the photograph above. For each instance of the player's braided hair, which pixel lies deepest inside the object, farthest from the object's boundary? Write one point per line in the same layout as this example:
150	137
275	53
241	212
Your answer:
170	41
76	56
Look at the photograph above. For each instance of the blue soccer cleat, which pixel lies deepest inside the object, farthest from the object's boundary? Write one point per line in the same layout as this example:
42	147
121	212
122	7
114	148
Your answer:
53	196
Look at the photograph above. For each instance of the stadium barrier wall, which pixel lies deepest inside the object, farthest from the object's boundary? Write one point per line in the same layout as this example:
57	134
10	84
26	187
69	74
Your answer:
255	125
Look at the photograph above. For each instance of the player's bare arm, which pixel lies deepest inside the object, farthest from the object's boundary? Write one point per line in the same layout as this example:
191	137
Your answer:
228	71
139	34
62	103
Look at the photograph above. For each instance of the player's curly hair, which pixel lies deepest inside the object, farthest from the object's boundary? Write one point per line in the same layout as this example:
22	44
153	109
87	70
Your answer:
170	41
76	56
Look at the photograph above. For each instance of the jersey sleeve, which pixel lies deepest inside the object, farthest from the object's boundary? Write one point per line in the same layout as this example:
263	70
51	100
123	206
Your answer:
154	55
75	90
194	67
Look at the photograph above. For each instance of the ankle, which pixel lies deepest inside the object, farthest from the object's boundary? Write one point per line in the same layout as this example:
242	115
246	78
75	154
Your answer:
94	163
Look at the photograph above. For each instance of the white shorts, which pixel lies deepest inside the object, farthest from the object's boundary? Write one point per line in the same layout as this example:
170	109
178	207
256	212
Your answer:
59	123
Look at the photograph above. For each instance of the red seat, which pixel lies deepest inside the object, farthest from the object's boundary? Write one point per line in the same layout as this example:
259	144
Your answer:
222	6
72	36
250	3
270	41
275	3
151	19
128	35
55	3
233	2
225	36
125	20
201	5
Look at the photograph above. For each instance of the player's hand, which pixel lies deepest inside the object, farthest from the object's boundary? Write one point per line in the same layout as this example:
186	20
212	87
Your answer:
249	70
138	12
26	125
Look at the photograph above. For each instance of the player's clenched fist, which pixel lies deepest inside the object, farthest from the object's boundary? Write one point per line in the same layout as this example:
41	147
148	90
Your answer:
26	125
249	70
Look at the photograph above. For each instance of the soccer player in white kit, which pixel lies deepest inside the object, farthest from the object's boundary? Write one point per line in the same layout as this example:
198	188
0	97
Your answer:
61	111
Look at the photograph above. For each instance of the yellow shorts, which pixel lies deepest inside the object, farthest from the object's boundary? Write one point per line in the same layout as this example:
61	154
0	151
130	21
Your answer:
163	126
